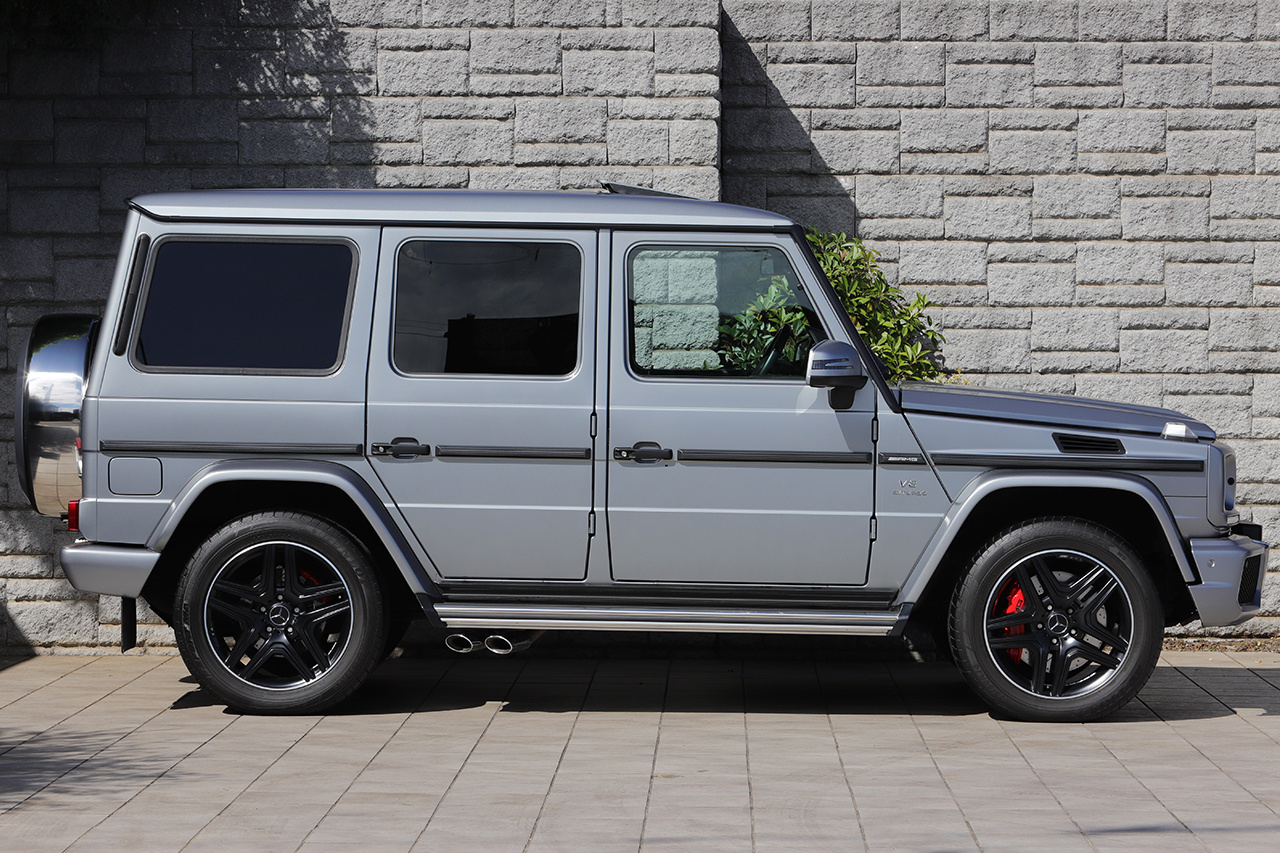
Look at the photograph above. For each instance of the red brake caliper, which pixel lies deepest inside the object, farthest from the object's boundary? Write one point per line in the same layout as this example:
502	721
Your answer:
1016	602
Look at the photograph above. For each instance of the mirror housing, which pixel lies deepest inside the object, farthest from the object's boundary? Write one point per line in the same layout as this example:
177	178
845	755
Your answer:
835	364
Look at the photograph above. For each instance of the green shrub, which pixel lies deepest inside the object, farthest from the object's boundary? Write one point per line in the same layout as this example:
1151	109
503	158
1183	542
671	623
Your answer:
746	337
898	331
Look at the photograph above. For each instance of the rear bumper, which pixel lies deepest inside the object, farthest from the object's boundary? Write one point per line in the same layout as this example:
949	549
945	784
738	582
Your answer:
108	569
1232	570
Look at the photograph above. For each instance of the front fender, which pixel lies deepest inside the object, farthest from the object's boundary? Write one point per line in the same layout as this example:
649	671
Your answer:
303	471
984	485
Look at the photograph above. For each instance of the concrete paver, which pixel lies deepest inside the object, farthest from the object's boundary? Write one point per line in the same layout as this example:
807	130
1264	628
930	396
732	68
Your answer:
481	753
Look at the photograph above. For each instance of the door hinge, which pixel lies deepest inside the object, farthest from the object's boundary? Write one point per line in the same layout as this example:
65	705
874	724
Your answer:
593	424
875	430
591	523
874	531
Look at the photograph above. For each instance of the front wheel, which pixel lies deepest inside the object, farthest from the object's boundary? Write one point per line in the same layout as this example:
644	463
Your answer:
280	613
1056	620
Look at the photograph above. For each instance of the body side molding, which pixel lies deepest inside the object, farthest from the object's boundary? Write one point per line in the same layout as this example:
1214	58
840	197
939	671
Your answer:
1090	463
791	457
302	471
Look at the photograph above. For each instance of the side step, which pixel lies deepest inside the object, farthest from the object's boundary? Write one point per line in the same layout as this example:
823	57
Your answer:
877	623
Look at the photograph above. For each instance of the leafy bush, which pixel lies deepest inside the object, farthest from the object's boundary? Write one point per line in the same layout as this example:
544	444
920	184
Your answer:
772	320
898	331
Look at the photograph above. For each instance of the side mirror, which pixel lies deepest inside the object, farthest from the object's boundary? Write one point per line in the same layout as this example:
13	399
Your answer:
835	364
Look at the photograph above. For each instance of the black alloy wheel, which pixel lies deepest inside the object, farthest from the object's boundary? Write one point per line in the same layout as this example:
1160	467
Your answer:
1056	619
1058	624
281	613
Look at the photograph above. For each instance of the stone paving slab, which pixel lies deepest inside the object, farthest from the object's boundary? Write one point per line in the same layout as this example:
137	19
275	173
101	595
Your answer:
509	754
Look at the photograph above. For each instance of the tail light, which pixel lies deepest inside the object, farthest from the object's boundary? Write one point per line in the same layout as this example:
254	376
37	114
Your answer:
73	516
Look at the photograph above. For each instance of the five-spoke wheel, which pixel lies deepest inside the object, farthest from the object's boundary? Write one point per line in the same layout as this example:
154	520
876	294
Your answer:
1057	619
281	612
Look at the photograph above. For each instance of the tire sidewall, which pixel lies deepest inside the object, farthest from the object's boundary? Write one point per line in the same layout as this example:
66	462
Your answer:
968	620
368	621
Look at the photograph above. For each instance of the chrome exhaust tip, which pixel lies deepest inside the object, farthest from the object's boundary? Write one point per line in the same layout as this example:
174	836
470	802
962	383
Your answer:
500	644
460	643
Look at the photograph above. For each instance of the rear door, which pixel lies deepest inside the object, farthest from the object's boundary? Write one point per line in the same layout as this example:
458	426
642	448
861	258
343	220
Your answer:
481	394
726	467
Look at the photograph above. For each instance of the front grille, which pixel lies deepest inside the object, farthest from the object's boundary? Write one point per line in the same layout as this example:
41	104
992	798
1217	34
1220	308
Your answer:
1068	443
1249	579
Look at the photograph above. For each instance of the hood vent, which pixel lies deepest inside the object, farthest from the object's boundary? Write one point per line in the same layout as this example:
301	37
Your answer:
1094	444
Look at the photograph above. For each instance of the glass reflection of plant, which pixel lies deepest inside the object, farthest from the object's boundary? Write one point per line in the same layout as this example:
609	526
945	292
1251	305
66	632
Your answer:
772	328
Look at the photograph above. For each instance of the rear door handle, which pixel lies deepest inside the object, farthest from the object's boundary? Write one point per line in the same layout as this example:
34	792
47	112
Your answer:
401	448
642	451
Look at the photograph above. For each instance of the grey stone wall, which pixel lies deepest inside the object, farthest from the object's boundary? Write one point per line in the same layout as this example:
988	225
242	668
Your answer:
1090	190
527	94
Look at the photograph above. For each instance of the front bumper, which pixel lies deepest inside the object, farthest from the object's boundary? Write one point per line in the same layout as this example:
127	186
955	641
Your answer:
1232	570
108	569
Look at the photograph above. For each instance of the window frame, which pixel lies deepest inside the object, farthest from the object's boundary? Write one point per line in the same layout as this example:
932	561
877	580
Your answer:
144	297
530	237
628	318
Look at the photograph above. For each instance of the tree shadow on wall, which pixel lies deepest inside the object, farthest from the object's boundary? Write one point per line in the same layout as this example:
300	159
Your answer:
272	93
767	154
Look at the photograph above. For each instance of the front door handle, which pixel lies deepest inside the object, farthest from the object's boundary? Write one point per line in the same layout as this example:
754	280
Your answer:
401	448
642	451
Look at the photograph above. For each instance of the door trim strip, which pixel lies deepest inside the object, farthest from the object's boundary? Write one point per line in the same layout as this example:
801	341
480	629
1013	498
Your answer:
804	457
466	451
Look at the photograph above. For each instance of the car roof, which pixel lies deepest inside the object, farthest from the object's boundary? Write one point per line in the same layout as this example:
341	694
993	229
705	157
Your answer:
455	207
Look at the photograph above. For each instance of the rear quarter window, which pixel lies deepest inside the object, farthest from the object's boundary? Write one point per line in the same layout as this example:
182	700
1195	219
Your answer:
239	306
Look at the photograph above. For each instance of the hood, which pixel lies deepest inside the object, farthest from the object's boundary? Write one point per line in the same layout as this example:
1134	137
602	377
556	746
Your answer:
1074	412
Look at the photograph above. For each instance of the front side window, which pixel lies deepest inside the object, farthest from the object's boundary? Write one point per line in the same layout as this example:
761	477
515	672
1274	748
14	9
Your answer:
237	306
718	311
487	307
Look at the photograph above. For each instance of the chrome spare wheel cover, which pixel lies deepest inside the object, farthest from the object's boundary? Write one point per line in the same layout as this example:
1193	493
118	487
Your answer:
278	615
50	391
1058	624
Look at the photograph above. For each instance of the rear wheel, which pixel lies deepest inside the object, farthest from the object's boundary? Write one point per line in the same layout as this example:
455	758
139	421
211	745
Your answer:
280	613
1056	619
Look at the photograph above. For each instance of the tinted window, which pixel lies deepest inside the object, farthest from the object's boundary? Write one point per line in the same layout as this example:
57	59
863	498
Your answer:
718	311
246	306
481	307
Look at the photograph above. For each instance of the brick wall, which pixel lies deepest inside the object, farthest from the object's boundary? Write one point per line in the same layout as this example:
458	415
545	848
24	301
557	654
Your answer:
1090	190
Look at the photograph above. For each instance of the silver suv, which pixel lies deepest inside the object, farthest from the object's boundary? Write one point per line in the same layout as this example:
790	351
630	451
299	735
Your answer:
306	418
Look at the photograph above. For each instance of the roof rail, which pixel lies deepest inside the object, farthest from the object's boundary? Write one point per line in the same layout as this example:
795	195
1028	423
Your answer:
628	189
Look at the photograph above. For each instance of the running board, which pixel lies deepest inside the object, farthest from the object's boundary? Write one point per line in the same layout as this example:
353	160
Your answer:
604	618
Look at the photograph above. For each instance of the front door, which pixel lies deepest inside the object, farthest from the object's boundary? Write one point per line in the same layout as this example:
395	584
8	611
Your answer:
726	467
481	394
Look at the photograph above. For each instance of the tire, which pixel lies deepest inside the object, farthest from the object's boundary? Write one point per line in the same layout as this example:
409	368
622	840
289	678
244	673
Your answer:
280	613
1056	620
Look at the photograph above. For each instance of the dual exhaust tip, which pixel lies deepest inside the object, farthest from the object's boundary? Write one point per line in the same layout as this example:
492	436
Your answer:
499	644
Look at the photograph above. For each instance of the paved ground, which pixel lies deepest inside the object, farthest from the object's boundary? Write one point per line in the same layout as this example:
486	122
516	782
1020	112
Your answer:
490	754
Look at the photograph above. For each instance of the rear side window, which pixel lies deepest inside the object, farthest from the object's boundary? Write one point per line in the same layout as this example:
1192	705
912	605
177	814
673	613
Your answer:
487	307
241	306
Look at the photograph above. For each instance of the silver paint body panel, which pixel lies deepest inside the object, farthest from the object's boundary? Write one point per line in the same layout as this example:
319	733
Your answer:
641	532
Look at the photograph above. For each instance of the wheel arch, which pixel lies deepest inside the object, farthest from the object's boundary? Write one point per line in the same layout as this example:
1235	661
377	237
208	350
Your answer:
227	490
998	500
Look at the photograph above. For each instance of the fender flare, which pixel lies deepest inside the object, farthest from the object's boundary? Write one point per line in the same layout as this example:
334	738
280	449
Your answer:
990	482
340	477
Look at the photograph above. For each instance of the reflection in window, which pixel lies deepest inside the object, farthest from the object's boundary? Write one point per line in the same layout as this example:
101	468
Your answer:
718	311
487	307
231	306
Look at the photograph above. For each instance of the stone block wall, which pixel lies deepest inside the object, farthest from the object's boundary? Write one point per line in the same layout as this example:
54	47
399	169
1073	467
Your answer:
1090	189
183	94
1087	189
675	312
